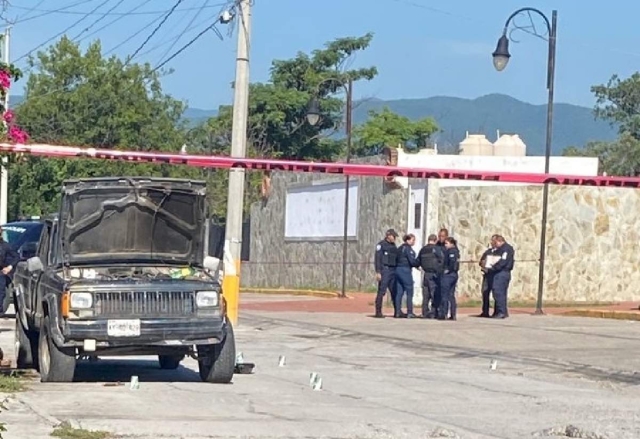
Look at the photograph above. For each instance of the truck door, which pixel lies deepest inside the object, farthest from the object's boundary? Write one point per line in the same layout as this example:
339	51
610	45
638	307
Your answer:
31	299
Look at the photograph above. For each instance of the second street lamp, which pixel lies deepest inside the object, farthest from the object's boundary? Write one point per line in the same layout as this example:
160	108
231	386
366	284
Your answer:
500	60
313	117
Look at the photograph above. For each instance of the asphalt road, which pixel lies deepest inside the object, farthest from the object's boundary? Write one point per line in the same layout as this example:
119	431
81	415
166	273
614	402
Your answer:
381	379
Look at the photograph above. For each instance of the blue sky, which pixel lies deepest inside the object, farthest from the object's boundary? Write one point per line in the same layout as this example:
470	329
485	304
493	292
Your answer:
422	48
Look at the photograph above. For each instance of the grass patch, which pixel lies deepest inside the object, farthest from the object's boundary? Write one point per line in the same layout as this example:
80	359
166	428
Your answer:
67	431
11	384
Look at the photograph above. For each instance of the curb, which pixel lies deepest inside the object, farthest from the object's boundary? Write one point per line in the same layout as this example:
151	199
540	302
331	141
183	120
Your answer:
312	293
603	314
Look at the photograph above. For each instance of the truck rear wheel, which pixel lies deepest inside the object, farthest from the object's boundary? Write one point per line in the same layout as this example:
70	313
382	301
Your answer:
170	362
57	365
217	362
26	343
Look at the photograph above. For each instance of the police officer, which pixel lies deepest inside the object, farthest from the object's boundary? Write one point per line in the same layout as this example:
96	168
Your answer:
407	261
501	271
487	279
8	260
386	259
431	258
442	235
449	279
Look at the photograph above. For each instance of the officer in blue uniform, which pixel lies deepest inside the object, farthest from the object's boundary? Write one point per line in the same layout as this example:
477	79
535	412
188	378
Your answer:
487	279
386	259
501	272
431	258
449	279
9	258
404	276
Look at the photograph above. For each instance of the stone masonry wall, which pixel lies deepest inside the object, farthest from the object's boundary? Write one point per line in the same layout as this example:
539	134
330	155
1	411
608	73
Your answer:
591	239
276	263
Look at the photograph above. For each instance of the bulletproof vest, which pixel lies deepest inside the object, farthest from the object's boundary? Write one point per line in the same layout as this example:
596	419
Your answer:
431	260
390	255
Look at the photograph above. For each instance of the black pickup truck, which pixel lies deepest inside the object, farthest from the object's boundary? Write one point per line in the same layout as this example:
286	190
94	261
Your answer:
122	271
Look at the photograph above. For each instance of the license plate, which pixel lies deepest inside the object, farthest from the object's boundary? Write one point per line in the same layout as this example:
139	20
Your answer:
123	328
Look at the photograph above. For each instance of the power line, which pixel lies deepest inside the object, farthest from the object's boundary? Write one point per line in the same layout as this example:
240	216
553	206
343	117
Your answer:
98	20
34	8
60	33
154	31
183	48
81	2
186	28
115	20
64	10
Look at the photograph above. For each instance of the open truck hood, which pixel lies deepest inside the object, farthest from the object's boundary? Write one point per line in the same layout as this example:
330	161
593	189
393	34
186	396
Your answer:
137	220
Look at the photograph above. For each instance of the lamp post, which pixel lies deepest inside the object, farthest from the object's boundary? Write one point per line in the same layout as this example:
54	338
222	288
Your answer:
313	118
500	60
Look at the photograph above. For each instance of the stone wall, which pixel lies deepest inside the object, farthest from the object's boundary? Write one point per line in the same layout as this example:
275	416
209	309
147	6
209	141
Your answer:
276	263
589	256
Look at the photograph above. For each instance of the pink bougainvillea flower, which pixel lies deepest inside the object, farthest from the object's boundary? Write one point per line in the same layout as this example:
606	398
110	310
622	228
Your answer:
5	79
8	116
17	135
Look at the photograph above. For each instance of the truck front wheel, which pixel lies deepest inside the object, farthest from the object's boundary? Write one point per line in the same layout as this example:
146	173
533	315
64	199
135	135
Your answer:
217	362
57	365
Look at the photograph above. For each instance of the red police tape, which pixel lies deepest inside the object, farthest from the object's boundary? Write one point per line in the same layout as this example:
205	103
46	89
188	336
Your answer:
57	151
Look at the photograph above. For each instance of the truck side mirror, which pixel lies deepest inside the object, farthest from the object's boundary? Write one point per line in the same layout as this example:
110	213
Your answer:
34	265
28	250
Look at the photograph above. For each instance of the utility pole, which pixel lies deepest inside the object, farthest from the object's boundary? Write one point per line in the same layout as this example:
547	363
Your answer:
235	200
4	175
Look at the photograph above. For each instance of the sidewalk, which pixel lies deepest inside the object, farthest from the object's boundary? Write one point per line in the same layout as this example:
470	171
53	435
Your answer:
362	303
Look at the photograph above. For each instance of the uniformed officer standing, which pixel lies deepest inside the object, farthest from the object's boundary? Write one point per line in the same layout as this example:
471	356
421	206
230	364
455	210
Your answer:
8	260
431	258
487	279
404	276
449	279
386	259
501	271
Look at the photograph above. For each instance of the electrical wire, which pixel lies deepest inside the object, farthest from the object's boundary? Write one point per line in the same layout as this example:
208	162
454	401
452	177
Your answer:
115	20
166	17
32	9
65	11
135	34
98	20
81	2
60	33
186	28
183	48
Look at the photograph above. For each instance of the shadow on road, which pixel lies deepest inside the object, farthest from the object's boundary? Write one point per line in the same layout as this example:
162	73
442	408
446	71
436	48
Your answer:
120	370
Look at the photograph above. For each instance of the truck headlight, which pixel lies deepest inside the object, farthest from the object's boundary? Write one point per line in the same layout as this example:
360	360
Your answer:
81	300
207	299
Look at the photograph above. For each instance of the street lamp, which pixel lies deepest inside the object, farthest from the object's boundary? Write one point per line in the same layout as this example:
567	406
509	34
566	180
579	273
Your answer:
500	60
313	118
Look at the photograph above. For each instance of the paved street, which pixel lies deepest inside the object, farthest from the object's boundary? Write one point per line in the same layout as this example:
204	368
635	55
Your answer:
389	378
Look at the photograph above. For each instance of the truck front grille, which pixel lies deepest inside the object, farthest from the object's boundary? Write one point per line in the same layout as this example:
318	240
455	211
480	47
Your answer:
145	303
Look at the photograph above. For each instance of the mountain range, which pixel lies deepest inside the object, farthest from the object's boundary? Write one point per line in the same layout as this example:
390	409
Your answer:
489	115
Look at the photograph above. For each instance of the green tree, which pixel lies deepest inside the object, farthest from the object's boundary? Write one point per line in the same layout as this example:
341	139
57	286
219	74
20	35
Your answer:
386	128
619	103
277	124
84	99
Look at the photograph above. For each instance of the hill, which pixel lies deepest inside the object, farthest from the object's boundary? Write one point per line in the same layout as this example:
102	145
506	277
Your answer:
573	125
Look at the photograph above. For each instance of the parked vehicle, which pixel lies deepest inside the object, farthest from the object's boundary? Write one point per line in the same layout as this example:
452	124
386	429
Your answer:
23	237
122	271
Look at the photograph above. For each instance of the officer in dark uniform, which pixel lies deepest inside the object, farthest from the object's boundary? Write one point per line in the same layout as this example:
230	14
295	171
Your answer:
407	261
9	258
501	271
449	279
487	279
431	258
386	259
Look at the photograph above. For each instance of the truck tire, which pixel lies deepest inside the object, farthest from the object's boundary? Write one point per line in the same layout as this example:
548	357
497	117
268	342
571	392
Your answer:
170	362
216	363
57	365
26	345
